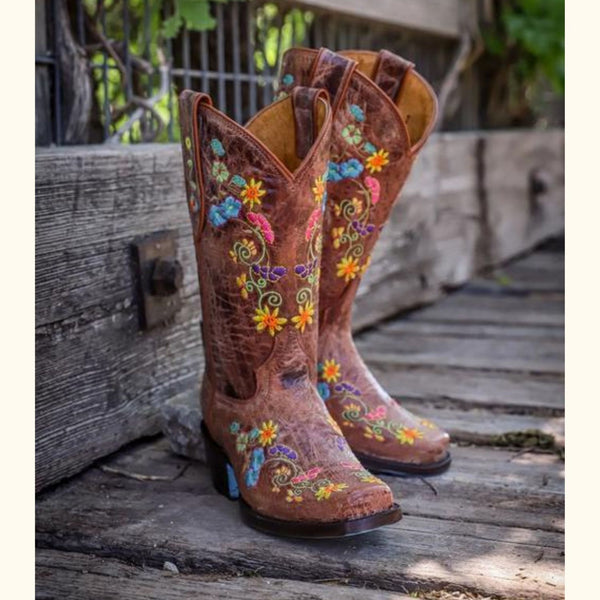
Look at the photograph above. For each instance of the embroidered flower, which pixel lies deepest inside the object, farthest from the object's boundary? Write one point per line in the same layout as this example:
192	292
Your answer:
377	161
308	476
219	214
241	283
333	172
217	147
348	268
333	423
357	112
234	427
219	171
325	491
379	413
373	434
215	216
287	79
282	471
408	435
427	423
264	225
252	192
331	371
336	234
188	143
269	321
238	180
304	316
319	189
367	477
352	134
293	496
357	205
267	433
313	221
352	408
374	188
368	147
323	390
257	460
351	168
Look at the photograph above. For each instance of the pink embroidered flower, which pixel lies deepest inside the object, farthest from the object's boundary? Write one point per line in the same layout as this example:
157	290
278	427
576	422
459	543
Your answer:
264	225
312	221
374	187
378	413
306	476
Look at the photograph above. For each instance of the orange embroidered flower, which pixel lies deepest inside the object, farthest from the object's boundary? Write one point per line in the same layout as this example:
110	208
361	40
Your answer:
252	192
304	316
241	283
331	371
325	491
319	189
408	435
336	234
377	161
348	268
269	321
372	434
267	433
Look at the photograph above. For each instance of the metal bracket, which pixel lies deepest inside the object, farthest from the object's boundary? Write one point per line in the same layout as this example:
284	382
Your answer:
160	277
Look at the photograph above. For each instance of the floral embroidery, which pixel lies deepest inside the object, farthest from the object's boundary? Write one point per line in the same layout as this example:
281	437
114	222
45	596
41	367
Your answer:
241	283
194	199
219	171
357	112
221	213
252	192
261	222
319	189
287	79
262	451
348	268
352	134
217	147
269	321
373	421
377	161
304	316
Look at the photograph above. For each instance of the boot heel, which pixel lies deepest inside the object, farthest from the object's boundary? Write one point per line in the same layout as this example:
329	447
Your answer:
221	471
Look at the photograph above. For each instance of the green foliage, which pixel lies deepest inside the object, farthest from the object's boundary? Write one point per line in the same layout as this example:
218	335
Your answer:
194	14
530	34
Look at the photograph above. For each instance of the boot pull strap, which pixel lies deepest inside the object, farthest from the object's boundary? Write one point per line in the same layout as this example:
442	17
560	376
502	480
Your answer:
189	104
390	72
305	104
332	72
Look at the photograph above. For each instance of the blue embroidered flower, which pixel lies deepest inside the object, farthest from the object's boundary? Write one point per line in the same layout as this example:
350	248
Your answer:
333	172
253	433
357	112
257	460
234	427
323	390
238	180
351	168
287	79
217	147
369	147
221	213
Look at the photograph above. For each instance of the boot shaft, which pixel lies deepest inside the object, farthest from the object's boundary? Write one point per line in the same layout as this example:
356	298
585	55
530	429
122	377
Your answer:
383	113
255	197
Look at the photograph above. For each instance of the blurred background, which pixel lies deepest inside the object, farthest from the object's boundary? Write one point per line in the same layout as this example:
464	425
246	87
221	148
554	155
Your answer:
110	71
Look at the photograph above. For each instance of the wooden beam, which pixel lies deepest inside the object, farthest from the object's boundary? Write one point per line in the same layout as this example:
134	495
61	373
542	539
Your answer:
438	17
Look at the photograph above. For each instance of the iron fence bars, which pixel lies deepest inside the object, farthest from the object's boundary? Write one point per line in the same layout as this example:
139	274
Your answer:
137	68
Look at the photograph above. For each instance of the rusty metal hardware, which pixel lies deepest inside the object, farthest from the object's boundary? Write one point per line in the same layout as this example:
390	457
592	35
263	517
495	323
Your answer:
160	277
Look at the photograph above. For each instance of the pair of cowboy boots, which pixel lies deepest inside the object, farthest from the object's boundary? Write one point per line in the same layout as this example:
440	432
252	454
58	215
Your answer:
285	213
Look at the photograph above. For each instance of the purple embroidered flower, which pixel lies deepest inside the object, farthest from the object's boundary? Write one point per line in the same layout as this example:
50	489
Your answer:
341	442
363	229
271	273
305	270
347	387
284	450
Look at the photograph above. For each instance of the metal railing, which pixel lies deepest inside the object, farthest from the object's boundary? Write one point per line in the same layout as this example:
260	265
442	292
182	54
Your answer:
135	71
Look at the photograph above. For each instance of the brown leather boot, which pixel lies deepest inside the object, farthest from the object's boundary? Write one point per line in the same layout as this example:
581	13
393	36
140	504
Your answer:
383	114
255	196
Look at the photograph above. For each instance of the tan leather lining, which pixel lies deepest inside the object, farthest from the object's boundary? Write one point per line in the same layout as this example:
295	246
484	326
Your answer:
269	128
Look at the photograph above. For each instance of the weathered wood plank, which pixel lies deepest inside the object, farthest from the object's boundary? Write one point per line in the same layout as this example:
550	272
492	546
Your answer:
185	522
439	17
510	392
537	356
73	576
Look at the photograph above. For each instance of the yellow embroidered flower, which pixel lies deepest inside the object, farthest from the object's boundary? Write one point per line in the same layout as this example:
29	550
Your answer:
352	408
358	206
252	192
408	435
319	189
233	256
267	433
304	316
377	161
331	371
336	234
337	209
292	497
275	489
241	283
282	471
348	268
269	321
334	424
249	246
372	434
325	491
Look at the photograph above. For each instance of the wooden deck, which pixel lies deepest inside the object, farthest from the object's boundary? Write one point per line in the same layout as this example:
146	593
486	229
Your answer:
487	362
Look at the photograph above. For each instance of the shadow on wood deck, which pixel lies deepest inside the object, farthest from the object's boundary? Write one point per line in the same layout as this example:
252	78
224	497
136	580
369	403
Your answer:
487	362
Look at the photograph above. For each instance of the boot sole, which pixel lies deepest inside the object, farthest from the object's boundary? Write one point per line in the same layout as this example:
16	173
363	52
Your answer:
224	481
400	469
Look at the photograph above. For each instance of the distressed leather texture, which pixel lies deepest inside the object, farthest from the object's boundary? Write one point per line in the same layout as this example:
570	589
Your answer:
383	115
256	195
